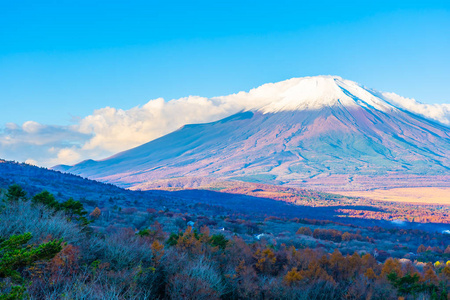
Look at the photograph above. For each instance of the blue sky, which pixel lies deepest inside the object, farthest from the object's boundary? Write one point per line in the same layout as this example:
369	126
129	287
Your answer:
61	60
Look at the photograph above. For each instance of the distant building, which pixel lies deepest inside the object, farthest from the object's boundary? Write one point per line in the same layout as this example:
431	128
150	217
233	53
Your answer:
259	236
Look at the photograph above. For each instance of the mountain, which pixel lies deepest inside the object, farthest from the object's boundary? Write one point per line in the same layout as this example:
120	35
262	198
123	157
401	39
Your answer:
323	132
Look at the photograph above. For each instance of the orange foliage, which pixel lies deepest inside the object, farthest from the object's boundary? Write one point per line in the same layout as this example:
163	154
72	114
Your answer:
430	275
446	272
304	231
315	273
370	274
62	266
188	242
328	234
157	252
95	213
421	249
391	265
265	260
293	276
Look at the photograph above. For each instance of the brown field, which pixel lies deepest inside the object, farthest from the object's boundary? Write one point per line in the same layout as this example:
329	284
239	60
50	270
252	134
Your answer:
428	195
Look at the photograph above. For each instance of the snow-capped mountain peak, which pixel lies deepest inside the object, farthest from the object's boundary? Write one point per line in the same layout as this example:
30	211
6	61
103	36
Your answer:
311	93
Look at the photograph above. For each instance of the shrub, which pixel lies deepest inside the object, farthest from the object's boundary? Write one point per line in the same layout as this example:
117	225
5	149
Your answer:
218	240
304	231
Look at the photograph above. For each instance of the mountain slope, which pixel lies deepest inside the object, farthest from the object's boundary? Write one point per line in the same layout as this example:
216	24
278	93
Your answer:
319	131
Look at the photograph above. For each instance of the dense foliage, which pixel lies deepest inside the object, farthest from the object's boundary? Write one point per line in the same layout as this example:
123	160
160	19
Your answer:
48	252
15	255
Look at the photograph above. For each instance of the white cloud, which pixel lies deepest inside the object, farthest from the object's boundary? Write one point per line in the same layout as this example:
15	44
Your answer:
32	127
116	129
438	112
31	161
40	144
68	156
109	130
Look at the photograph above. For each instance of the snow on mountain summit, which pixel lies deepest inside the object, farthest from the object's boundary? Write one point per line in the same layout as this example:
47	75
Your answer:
310	93
307	93
316	92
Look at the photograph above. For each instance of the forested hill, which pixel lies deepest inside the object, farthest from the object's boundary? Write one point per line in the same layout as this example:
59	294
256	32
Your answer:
35	179
96	194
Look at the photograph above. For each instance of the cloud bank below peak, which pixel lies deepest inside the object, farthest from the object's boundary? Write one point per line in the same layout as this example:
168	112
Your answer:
110	130
437	112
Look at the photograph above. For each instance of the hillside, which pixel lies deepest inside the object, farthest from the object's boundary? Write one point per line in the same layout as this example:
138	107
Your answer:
34	179
234	198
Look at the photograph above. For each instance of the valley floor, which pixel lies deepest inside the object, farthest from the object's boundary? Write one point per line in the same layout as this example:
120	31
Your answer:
426	195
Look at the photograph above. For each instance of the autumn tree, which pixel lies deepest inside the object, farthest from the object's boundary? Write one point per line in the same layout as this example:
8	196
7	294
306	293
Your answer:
305	231
447	250
346	236
391	266
292	277
338	265
265	259
354	263
430	276
421	249
368	261
157	253
328	234
95	214
315	273
370	274
189	241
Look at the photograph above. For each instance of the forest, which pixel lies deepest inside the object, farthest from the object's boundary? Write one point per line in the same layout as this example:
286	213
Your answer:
56	249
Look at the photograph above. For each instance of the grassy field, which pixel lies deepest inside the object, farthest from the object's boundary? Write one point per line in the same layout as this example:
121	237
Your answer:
428	195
